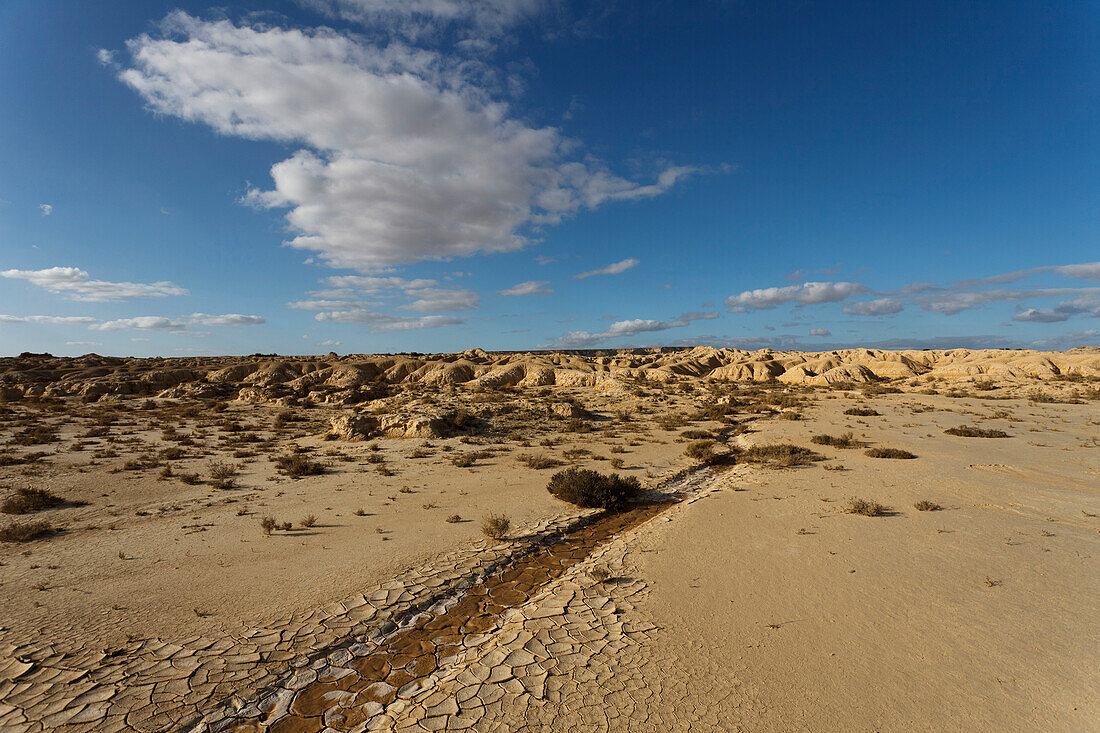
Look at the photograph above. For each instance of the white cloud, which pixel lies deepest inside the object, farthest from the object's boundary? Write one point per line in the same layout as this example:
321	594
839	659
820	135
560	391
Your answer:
228	319
367	284
951	303
83	343
613	269
330	342
46	209
406	157
544	260
632	327
321	305
820	332
53	320
144	323
1081	271
1040	315
809	293
436	300
531	287
878	307
384	323
76	284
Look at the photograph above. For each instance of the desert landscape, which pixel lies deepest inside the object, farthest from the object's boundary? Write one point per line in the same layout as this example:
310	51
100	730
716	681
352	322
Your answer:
731	540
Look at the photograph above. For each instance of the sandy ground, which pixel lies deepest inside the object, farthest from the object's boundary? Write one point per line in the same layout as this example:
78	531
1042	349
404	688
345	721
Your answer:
981	615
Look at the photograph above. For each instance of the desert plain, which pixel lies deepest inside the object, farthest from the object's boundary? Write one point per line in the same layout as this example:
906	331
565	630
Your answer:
851	540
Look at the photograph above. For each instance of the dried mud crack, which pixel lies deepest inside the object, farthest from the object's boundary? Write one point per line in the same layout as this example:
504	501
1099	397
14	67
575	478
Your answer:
356	686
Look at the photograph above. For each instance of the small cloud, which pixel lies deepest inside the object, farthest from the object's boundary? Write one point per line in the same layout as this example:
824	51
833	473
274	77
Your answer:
820	332
436	300
613	269
879	307
531	287
1040	315
76	284
809	293
46	209
228	319
544	260
384	323
330	342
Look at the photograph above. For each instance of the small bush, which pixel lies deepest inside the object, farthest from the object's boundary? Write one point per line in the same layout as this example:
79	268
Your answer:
190	478
862	412
864	507
25	501
454	519
966	431
221	470
309	520
617	463
296	465
599	573
496	526
268	524
538	461
927	506
25	531
848	440
701	451
888	453
464	460
593	490
781	455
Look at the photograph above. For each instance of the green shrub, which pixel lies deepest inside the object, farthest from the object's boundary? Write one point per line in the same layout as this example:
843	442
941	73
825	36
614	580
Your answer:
593	490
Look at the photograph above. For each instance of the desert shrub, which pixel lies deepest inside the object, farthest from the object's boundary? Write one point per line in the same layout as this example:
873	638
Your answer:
496	526
25	501
599	573
465	460
888	453
864	507
454	519
309	520
190	478
220	470
966	431
701	451
848	440
538	461
591	489
268	524
617	463
696	434
789	415
862	412
927	506
780	455
296	465
25	531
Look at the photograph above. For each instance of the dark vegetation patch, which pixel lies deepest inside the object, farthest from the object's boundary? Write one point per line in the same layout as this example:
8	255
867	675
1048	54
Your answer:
593	490
847	440
888	453
967	431
780	455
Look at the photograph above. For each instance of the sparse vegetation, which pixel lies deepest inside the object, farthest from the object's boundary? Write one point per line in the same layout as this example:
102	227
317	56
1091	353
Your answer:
593	490
309	520
268	525
25	531
496	526
888	453
539	461
924	505
967	431
701	451
27	500
864	507
847	440
780	455
296	465
862	412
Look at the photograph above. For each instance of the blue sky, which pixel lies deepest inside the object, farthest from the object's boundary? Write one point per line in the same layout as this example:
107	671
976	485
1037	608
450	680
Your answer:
434	175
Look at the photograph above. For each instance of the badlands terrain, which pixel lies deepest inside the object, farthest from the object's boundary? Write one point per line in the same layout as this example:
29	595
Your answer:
852	540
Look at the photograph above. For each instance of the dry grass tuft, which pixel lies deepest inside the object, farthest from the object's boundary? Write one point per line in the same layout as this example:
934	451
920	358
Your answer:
847	440
25	501
538	461
780	455
296	465
966	431
862	412
888	453
864	507
25	531
496	526
927	506
593	490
